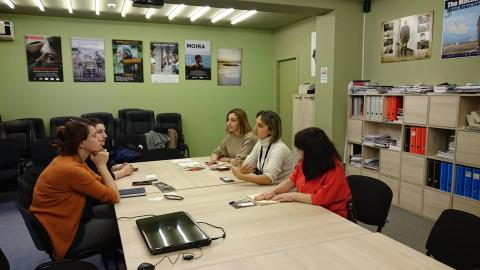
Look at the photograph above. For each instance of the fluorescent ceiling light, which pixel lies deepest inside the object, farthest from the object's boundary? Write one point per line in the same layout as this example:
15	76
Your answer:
175	11
198	12
149	13
222	14
9	3
40	5
243	16
125	7
97	7
69	6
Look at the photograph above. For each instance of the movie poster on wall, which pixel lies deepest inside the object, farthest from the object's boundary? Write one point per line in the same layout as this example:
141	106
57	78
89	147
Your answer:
88	59
198	63
164	62
127	60
407	38
44	58
229	63
461	29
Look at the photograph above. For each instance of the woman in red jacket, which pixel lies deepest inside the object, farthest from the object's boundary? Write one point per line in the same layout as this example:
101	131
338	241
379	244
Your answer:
319	175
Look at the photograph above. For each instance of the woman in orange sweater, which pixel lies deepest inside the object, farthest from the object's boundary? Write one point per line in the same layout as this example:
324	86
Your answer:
67	189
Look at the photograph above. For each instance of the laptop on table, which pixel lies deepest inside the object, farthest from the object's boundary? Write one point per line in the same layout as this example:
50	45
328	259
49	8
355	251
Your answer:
172	232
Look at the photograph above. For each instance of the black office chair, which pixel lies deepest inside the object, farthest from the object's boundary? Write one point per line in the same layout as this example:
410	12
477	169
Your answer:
56	265
174	121
371	199
139	122
42	152
56	122
122	118
455	240
10	161
2	131
22	132
107	119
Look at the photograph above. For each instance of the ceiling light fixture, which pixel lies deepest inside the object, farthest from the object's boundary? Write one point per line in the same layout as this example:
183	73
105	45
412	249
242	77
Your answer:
175	11
125	7
243	16
222	14
149	13
198	13
40	5
9	3
97	7
69	6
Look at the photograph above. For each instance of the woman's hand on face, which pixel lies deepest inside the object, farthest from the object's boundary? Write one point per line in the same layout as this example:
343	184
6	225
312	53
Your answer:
100	158
265	196
284	197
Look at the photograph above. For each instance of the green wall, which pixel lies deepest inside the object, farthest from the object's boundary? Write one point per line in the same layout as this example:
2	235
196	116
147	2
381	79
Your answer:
429	71
203	104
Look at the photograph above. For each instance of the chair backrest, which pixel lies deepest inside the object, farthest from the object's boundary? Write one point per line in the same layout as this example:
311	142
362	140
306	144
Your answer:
371	199
37	232
122	117
139	122
166	121
4	265
455	239
107	119
25	186
38	126
22	132
56	122
67	265
10	154
2	131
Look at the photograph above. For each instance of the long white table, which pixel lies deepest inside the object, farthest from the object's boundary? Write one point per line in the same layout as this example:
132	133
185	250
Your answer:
279	236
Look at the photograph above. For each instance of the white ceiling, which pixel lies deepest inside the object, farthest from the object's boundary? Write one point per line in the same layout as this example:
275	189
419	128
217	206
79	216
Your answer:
268	17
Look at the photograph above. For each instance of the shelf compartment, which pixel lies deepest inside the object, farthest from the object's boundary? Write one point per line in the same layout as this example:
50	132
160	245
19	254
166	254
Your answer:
351	150
415	139
394	185
466	204
354	130
351	170
415	110
439	139
411	197
413	169
389	162
434	202
440	175
370	153
468	148
443	111
467	105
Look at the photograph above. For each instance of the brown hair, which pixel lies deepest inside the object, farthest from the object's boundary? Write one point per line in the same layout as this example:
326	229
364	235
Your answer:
274	123
71	135
242	120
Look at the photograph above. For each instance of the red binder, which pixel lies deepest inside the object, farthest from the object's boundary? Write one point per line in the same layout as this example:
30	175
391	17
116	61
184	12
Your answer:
424	140
413	140
418	144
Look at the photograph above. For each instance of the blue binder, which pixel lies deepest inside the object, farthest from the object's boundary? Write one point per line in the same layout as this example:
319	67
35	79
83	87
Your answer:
467	184
443	176
459	179
449	176
476	184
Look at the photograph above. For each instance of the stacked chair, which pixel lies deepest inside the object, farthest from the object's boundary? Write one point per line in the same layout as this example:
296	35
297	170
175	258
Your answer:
174	121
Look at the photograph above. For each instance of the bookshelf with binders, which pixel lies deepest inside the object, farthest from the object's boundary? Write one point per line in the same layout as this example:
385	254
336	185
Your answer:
435	168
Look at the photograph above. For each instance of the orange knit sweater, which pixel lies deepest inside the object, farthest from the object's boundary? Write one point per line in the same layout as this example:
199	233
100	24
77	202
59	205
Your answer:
59	199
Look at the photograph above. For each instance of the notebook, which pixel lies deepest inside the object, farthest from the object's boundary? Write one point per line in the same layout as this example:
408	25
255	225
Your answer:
172	232
132	192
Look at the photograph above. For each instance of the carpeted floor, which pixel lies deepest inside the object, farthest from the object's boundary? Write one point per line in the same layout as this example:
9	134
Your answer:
17	245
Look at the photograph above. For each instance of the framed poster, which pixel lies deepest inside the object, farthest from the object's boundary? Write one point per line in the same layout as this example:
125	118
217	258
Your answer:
88	59
407	38
198	63
127	60
461	29
44	58
164	62
229	63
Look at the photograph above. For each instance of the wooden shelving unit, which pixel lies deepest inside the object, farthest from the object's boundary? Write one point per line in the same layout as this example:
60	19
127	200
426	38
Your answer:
405	173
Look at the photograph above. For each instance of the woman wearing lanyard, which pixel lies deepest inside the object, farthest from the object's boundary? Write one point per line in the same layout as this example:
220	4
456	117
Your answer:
270	160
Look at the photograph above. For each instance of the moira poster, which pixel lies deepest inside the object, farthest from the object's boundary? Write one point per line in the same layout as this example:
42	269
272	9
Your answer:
198	63
127	60
44	58
229	63
461	28
88	59
408	38
164	62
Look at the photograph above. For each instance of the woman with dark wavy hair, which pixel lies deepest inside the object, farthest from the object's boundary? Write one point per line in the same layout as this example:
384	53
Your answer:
319	175
67	190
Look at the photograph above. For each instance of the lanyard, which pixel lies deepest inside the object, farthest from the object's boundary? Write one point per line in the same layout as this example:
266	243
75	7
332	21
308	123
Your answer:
265	159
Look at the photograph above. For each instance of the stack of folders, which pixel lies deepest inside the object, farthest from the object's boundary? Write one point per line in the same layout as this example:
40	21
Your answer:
444	88
356	160
377	140
472	87
360	86
467	182
394	108
374	108
357	107
450	153
473	120
415	140
372	163
439	175
418	88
